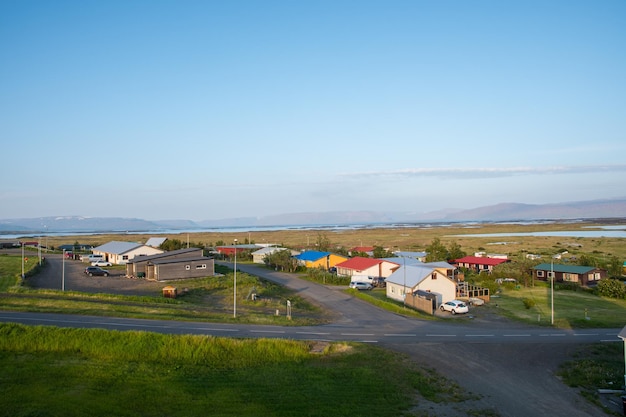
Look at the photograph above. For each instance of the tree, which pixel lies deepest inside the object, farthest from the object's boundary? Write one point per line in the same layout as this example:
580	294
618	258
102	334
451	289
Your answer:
612	288
455	251
615	267
436	251
282	260
323	242
380	252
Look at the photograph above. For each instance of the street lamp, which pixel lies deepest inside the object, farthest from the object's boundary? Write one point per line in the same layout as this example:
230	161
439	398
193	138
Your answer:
552	288
622	335
63	273
235	284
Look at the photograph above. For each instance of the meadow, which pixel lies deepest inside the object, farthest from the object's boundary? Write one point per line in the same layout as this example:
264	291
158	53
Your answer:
76	372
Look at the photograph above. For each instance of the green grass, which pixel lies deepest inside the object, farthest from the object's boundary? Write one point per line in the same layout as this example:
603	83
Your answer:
208	299
596	366
572	309
379	298
75	372
11	270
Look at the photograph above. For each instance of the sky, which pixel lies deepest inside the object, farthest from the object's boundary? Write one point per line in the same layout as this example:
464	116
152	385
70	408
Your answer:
206	110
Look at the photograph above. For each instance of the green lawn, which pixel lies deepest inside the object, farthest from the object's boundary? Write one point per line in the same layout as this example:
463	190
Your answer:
572	309
76	372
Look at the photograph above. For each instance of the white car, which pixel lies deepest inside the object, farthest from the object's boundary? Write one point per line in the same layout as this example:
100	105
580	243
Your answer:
101	263
454	307
361	285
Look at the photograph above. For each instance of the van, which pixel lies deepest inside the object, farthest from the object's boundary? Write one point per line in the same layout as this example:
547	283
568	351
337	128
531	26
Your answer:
92	258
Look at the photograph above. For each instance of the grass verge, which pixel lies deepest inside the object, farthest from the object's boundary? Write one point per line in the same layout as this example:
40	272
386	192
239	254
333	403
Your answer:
75	372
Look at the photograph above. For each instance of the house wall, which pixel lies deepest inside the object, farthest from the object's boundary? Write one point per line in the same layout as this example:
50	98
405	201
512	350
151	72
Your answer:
121	259
138	266
443	286
182	270
395	291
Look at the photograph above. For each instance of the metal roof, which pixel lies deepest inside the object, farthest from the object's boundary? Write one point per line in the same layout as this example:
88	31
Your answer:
410	275
568	269
156	241
168	254
117	247
312	255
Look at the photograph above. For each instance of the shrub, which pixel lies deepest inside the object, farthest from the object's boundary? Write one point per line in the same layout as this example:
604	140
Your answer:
612	288
528	303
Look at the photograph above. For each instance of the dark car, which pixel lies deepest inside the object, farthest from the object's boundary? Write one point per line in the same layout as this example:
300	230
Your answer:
379	282
96	270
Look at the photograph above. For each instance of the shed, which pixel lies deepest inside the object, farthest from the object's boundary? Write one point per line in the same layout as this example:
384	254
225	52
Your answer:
170	292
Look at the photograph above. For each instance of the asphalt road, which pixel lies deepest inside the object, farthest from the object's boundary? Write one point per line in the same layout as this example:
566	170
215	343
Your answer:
509	366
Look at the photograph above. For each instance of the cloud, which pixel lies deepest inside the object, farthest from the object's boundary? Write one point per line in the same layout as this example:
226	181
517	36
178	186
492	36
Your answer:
473	173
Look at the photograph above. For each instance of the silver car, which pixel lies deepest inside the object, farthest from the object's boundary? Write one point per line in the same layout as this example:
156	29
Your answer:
361	285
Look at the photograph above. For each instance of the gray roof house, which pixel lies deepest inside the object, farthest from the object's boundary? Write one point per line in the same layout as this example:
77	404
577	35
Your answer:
137	267
258	257
411	278
120	253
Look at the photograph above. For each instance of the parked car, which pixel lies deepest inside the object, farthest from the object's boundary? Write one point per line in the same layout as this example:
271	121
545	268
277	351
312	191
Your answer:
101	262
96	270
475	301
379	282
454	307
361	285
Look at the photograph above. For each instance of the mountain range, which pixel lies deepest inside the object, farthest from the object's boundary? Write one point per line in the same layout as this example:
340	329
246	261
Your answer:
595	209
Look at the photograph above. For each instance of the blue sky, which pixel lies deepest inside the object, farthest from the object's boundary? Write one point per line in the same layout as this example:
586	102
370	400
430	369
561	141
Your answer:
215	109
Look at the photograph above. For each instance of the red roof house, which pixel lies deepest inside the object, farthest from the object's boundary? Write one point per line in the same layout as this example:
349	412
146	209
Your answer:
478	263
366	266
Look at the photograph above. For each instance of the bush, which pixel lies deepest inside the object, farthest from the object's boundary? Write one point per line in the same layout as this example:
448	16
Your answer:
612	288
528	303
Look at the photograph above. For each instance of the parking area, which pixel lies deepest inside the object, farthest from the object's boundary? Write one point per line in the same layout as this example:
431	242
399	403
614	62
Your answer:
56	272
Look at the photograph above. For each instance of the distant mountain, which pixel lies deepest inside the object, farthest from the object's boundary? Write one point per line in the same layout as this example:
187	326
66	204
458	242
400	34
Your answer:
615	208
572	210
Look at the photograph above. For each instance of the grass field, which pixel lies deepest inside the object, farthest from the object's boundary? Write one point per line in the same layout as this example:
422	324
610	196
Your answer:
77	372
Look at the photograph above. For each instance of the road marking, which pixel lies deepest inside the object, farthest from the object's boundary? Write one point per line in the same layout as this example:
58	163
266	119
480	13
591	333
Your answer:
357	334
368	341
267	331
516	335
400	335
218	330
314	333
478	335
440	335
586	334
552	334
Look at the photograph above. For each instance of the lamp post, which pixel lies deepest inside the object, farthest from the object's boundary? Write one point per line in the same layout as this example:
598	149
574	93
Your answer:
552	289
235	284
63	273
622	335
22	260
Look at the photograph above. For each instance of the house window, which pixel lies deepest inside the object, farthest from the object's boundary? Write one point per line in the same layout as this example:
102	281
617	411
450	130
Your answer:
570	277
203	266
124	257
187	267
550	274
433	276
540	274
597	276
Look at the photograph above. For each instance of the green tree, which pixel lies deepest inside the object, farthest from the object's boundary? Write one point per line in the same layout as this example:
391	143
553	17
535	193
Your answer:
455	251
380	252
323	242
612	288
436	251
615	267
282	260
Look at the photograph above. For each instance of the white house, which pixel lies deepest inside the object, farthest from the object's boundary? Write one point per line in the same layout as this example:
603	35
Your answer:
411	278
121	252
258	257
